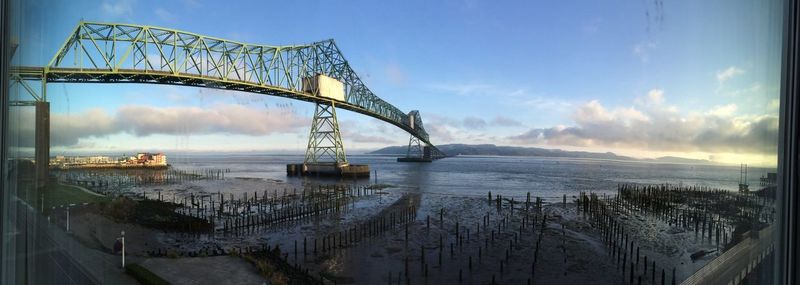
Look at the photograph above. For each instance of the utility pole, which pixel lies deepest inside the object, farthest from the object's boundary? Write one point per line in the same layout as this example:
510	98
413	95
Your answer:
122	239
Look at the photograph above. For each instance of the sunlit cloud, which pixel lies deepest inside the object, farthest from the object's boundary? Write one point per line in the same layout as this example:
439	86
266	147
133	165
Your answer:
660	127
229	118
728	73
142	121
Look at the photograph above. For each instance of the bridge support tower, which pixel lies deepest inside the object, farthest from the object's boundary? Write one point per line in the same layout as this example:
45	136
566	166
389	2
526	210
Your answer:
417	152
325	155
325	141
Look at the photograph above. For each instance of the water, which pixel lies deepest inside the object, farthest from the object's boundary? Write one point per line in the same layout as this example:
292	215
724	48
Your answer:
475	175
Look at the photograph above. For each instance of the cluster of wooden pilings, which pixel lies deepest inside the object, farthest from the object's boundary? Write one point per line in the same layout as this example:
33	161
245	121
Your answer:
333	242
457	250
110	180
635	268
680	202
279	260
441	244
290	260
712	214
203	252
249	212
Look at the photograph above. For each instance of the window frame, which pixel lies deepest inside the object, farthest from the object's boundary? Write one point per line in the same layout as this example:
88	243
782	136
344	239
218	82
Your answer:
787	269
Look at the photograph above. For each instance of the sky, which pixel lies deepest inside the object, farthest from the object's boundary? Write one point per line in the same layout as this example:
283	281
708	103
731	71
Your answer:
695	79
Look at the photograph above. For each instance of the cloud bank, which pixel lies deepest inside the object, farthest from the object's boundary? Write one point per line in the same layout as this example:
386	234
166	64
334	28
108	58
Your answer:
67	130
656	126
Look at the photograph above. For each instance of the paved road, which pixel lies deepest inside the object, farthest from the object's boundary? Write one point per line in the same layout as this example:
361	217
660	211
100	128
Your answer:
728	267
59	258
51	264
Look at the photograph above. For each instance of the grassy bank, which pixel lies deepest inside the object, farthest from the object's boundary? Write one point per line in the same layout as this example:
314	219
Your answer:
56	194
151	214
60	194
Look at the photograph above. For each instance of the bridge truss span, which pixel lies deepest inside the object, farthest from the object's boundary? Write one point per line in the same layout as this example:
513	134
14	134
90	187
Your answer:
126	53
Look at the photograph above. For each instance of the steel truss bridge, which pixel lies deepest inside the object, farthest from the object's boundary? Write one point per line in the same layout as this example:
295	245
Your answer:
125	53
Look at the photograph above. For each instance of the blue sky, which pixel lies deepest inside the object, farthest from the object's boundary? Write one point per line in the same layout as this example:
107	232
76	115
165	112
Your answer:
643	78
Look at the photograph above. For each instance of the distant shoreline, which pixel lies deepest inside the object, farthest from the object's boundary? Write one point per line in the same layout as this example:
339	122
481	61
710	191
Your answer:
114	166
515	151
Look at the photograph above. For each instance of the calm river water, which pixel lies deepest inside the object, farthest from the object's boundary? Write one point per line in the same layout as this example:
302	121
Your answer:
475	175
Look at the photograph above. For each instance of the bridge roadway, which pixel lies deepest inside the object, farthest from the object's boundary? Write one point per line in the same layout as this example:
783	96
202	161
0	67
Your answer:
733	265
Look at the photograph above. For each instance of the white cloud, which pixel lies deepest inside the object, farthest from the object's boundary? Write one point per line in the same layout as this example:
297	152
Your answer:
774	105
728	73
229	118
661	128
545	103
656	96
594	113
70	129
117	8
724	111
754	90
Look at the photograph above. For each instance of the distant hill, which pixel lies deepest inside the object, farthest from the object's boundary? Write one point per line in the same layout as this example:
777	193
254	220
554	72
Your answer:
490	149
673	159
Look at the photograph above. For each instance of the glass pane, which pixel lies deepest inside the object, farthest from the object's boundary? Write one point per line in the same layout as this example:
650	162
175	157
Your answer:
310	142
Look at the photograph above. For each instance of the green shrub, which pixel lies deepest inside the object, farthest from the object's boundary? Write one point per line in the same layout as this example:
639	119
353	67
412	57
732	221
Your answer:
121	209
144	276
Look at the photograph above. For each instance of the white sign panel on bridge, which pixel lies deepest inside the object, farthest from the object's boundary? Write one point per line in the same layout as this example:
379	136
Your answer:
324	86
